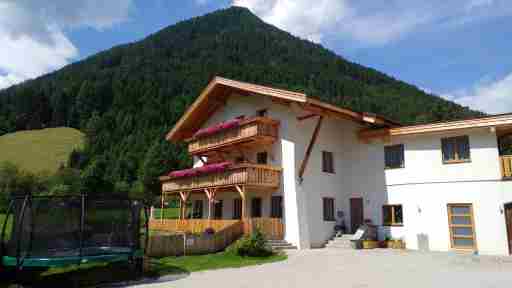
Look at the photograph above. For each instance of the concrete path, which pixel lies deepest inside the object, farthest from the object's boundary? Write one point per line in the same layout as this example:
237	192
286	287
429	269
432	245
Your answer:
358	268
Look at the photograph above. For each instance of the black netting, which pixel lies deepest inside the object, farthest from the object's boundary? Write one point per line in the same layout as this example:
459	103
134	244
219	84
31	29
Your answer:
46	227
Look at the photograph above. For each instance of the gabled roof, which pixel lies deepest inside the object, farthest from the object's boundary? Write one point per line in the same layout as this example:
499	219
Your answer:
217	91
503	121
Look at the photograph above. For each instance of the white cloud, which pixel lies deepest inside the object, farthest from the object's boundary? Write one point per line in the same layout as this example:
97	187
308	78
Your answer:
33	37
370	22
489	96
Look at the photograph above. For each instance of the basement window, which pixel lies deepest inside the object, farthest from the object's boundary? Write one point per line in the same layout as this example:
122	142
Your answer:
455	149
392	215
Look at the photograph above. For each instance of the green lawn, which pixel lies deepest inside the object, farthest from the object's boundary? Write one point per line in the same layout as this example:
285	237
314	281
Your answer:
94	274
169	213
40	150
172	265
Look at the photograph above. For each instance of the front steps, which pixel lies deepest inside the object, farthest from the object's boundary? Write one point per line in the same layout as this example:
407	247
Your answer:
340	242
280	245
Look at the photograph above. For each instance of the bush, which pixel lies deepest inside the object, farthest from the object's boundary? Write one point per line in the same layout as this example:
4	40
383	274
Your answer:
253	245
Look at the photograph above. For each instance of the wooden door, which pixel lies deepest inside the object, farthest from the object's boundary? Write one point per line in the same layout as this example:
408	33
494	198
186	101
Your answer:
508	218
356	213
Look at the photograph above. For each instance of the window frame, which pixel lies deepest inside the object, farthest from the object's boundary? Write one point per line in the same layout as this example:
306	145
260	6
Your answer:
260	208
325	168
258	154
237	208
276	206
327	202
262	112
402	154
218	207
453	141
393	222
198	209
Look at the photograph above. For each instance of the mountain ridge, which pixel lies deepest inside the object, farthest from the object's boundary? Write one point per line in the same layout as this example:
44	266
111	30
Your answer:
126	98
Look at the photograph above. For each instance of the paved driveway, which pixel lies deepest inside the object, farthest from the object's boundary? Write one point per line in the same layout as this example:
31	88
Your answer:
359	268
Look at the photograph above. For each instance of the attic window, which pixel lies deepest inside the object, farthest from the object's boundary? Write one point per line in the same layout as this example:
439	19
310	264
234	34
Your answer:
262	113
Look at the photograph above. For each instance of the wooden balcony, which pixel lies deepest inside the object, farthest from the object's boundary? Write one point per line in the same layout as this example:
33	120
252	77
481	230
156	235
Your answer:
506	166
251	175
251	132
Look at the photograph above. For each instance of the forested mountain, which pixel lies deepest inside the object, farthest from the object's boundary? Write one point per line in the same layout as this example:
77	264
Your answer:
126	98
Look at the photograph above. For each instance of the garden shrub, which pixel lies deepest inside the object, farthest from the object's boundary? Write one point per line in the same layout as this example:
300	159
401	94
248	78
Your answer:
253	245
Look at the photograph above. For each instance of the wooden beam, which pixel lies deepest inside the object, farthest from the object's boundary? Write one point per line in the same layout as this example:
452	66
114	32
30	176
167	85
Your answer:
304	117
310	147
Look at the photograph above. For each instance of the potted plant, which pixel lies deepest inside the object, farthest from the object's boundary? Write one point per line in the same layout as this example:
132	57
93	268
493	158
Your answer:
370	244
393	243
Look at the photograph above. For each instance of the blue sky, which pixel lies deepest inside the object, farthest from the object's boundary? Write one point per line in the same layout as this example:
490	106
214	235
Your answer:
459	49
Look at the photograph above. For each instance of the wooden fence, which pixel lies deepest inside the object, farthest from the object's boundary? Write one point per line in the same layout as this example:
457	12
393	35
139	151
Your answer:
272	228
190	244
189	225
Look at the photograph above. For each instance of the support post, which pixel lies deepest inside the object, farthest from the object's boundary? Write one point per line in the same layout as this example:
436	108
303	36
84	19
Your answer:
210	193
184	198
245	221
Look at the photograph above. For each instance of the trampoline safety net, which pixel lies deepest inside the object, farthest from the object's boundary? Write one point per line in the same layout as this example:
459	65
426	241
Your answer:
75	228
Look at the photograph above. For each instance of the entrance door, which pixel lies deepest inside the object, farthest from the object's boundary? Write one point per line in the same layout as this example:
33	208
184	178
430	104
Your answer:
356	213
508	218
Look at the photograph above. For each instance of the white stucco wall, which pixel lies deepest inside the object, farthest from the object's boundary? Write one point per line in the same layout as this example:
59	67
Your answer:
423	187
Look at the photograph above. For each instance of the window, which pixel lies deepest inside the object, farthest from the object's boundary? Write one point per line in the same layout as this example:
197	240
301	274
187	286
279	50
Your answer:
262	158
217	211
277	207
462	230
394	156
262	113
237	208
198	209
256	207
329	209
392	215
327	162
455	149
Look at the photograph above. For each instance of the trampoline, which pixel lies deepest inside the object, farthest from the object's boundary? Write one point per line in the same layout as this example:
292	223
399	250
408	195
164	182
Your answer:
40	232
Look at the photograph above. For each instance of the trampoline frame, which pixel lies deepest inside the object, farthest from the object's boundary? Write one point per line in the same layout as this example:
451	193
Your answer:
134	255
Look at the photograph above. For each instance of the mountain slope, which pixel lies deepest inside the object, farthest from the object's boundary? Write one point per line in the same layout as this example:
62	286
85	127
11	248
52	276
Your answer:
41	150
140	89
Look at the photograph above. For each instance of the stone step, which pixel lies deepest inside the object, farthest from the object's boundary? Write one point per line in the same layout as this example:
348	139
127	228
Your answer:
280	245
288	247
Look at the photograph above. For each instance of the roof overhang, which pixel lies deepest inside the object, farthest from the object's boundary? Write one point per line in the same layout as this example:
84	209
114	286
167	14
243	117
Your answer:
498	122
215	95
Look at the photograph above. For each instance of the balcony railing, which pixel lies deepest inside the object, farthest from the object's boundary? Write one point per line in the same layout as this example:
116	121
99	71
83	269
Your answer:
256	131
241	174
506	166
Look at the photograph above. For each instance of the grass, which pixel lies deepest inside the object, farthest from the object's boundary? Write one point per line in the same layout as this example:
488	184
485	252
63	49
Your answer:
173	265
40	150
169	213
92	275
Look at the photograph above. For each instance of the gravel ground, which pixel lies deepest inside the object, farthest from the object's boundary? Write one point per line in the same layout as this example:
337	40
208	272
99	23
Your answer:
358	268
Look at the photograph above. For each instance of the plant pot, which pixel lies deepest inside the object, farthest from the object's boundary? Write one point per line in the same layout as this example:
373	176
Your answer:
395	244
370	244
